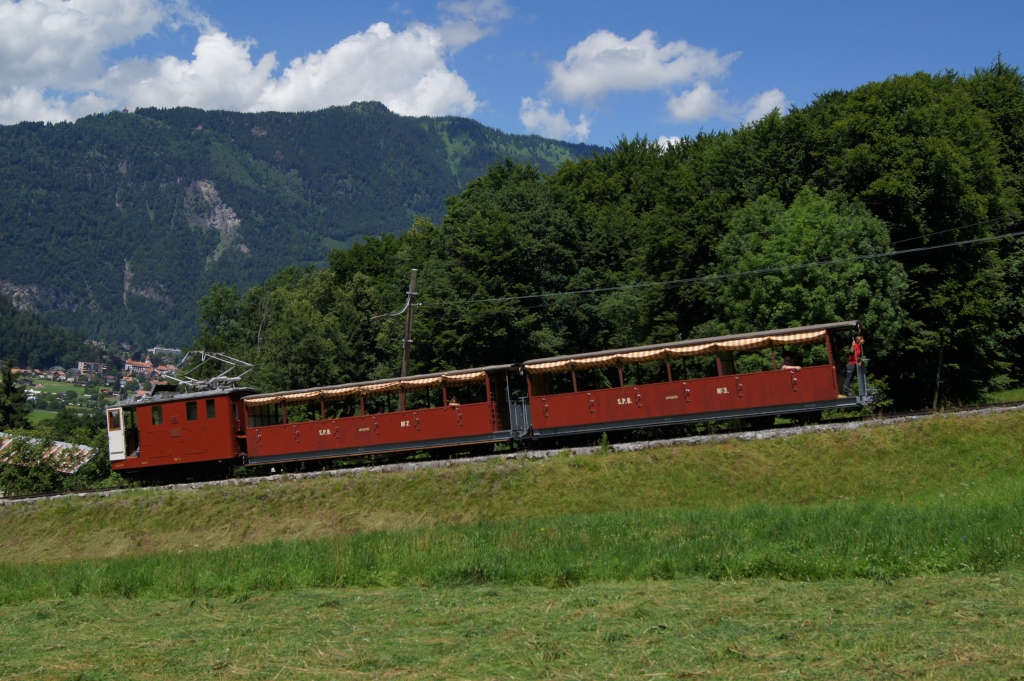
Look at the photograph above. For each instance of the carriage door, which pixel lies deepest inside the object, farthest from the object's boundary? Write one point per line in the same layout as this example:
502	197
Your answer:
115	433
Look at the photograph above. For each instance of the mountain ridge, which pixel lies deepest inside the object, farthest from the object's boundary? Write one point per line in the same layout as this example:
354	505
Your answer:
115	225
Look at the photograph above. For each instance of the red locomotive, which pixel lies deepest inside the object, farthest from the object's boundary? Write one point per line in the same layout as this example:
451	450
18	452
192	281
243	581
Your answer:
533	401
185	430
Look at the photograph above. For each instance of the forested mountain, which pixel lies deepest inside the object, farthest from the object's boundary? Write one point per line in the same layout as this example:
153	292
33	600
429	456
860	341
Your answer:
116	224
32	342
913	162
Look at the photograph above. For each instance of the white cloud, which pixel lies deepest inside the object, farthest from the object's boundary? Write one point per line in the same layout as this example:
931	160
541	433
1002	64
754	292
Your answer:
52	63
29	104
604	62
763	104
537	116
60	43
703	103
406	71
665	141
699	104
221	75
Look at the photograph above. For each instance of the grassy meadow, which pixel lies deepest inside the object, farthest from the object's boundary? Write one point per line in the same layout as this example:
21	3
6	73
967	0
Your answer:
942	627
918	462
39	415
878	552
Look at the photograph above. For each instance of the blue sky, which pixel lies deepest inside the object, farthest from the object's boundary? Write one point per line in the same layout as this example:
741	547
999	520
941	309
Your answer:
582	71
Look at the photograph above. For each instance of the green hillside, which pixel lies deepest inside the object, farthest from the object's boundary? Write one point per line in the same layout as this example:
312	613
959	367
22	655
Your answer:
975	459
116	224
882	552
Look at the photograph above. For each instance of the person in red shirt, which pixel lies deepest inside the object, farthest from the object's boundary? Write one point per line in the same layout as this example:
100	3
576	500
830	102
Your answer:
853	361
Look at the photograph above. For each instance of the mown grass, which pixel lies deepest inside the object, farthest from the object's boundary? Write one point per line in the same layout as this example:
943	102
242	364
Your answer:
911	463
39	415
879	553
951	626
49	386
976	532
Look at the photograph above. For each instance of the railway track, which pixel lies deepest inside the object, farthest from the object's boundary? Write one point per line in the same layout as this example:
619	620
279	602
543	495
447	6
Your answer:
766	434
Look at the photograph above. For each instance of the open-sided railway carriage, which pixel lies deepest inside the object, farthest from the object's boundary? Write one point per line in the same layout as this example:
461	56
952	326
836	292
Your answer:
667	398
533	401
356	419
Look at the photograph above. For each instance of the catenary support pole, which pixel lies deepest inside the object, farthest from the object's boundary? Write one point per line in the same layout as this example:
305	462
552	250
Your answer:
938	381
407	344
410	305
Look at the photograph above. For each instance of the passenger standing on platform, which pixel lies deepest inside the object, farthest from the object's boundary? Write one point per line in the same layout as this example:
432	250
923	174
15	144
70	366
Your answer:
853	362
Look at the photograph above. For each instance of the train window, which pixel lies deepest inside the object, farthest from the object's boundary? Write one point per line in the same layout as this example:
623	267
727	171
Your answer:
265	415
113	420
191	411
597	379
343	408
211	409
303	412
158	415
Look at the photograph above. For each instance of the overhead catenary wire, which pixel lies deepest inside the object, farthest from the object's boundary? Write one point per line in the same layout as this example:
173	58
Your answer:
1005	218
675	283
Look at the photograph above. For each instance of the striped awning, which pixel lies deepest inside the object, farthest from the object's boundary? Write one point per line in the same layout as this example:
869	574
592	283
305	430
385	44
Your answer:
365	389
665	353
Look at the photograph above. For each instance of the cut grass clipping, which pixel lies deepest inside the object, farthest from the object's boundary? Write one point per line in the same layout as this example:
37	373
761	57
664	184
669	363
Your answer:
872	539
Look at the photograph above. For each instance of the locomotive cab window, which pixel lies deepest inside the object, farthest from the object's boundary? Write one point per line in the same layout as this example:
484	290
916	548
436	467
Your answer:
113	420
191	411
158	415
211	409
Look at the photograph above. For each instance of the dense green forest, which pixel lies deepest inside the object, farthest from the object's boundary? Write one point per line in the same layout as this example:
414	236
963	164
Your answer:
913	162
115	225
32	342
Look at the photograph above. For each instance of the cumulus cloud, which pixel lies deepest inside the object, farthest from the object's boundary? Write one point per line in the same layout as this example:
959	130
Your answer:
221	75
406	71
665	141
537	116
52	64
763	104
699	104
60	43
703	103
604	62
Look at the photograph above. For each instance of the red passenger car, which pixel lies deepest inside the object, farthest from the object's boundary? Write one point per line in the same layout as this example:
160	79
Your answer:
457	408
190	431
658	396
727	377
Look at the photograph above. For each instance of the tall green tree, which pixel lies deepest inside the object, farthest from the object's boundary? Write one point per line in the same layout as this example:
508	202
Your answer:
14	407
766	235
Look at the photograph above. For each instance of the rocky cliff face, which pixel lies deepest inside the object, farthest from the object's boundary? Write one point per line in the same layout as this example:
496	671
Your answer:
204	208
